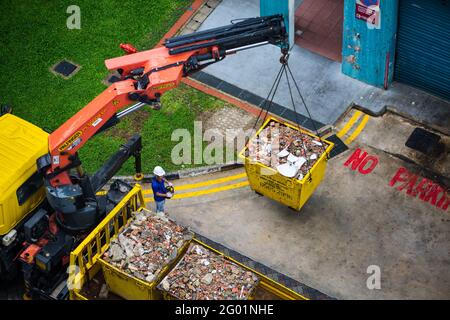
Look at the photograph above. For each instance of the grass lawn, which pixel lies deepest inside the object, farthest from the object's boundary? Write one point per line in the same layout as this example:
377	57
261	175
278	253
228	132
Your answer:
35	37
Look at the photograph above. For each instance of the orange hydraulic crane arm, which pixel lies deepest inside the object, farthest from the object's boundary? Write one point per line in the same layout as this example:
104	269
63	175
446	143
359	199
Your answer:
145	76
74	133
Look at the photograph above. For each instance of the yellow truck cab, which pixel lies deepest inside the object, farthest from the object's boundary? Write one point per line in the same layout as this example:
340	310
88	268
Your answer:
21	188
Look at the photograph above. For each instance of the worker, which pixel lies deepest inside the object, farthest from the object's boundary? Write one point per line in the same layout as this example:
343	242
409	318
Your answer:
160	192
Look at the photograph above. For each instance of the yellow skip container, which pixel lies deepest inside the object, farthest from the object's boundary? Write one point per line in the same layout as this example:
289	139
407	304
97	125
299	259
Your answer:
265	288
269	182
131	288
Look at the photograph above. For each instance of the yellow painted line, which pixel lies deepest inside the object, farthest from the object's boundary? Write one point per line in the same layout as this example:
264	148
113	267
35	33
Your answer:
358	130
204	183
207	191
350	123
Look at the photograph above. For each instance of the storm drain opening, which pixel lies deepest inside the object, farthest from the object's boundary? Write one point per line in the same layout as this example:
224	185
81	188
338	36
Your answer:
65	69
425	142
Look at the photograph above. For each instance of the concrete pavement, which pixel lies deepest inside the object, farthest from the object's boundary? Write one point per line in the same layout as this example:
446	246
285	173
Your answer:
389	133
353	221
374	208
356	218
328	93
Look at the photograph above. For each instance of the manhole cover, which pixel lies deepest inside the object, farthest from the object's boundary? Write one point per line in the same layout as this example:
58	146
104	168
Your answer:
65	69
425	141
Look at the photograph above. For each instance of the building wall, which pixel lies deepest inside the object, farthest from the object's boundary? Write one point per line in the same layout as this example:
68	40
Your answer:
284	7
368	52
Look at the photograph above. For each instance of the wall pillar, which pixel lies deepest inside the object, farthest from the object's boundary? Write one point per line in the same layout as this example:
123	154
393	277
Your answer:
284	7
368	50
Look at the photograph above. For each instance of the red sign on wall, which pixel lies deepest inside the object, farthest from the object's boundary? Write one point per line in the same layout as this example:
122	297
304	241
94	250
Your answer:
369	11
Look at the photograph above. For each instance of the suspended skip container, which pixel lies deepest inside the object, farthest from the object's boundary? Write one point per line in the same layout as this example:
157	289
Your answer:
285	163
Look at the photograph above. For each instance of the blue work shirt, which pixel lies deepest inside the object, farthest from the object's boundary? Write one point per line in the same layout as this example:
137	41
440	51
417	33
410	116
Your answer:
158	186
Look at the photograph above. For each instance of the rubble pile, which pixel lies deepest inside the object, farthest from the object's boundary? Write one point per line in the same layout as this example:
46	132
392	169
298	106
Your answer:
203	275
290	152
146	245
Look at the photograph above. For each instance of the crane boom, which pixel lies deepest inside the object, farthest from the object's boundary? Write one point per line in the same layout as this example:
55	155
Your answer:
145	77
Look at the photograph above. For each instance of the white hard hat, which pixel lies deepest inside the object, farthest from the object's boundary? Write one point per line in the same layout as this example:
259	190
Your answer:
158	171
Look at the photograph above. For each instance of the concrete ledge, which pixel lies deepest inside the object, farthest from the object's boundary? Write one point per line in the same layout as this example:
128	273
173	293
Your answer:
393	110
257	102
186	173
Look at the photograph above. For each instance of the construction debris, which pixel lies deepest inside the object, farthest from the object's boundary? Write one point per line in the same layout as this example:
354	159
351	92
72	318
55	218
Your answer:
204	275
289	151
104	292
147	244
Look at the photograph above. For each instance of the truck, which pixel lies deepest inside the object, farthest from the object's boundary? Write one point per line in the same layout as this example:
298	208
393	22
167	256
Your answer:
49	204
88	272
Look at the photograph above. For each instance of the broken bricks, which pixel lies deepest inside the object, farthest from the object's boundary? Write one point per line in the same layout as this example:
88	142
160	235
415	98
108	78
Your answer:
147	244
289	151
204	275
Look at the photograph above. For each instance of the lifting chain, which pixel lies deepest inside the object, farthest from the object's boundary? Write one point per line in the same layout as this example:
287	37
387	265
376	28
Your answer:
268	102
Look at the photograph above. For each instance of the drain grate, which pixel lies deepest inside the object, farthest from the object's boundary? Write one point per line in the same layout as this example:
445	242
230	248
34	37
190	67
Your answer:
425	141
65	69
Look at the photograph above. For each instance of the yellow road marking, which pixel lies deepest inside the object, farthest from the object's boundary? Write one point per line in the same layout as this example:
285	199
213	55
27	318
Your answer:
204	183
358	130
350	123
208	191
